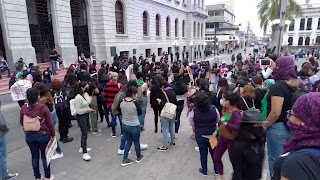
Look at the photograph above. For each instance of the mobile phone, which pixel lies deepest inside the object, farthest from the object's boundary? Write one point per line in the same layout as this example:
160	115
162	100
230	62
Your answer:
264	62
94	111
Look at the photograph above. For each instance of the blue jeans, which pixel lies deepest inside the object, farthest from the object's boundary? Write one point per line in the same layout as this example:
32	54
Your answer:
55	119
54	66
5	69
204	146
276	135
37	144
3	157
131	133
114	122
167	126
214	85
106	112
178	115
143	105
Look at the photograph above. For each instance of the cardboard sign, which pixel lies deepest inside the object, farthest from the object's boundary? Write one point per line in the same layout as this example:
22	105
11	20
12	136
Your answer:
213	142
51	149
19	90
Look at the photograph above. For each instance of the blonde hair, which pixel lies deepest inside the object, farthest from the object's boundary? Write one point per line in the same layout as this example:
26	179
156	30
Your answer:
249	92
294	83
114	76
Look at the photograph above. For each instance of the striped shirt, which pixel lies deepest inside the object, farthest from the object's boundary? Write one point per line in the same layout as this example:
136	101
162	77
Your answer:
110	91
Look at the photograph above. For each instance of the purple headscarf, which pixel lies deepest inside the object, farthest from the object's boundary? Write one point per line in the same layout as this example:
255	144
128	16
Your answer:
286	69
307	109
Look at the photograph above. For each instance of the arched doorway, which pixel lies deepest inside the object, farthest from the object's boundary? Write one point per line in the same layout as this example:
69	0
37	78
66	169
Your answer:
300	41
290	40
318	39
2	49
41	30
80	26
307	41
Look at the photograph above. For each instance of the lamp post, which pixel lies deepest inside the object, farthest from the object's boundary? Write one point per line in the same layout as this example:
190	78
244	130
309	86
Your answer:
204	44
191	46
175	44
280	28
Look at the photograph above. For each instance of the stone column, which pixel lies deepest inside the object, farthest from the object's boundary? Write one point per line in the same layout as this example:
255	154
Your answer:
16	32
63	30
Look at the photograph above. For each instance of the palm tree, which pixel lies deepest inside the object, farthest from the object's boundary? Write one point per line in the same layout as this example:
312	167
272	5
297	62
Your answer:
268	10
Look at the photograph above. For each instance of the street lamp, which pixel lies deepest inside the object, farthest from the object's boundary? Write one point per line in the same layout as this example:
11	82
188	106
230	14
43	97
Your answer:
191	46
175	44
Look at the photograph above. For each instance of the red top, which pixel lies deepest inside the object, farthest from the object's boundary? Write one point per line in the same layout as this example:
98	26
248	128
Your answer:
110	91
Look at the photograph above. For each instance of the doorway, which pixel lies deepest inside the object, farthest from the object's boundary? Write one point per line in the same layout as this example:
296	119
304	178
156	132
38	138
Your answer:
41	30
80	26
2	49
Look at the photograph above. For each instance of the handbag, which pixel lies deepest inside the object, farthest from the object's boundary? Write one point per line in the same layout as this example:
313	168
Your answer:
32	124
169	109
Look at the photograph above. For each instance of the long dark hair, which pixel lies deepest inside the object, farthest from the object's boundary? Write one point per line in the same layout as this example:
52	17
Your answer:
233	98
44	92
32	96
70	70
202	102
82	84
132	90
223	83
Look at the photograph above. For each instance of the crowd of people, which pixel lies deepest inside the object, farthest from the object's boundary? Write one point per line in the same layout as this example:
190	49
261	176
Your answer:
235	107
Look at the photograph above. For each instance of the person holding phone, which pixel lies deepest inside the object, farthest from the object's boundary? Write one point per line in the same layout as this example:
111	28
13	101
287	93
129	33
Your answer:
38	140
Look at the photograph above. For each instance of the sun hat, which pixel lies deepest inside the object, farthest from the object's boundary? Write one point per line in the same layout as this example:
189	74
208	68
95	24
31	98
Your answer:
252	116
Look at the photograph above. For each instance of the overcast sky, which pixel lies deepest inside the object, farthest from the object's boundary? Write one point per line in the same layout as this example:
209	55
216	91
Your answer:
247	10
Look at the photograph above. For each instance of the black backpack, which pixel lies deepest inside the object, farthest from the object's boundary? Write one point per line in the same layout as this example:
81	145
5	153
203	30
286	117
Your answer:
180	88
60	100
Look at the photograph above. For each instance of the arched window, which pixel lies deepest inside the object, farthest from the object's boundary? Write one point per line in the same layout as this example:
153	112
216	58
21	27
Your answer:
183	22
157	25
307	41
201	30
119	18
176	26
198	29
290	40
145	23
318	40
194	29
300	42
168	26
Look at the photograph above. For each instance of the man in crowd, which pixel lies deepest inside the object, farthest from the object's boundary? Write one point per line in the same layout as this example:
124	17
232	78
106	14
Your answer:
18	62
4	67
53	58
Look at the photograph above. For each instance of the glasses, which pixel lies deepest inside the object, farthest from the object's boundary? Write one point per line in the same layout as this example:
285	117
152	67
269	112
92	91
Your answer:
290	114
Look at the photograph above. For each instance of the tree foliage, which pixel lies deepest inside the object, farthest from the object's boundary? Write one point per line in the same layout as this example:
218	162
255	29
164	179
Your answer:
268	10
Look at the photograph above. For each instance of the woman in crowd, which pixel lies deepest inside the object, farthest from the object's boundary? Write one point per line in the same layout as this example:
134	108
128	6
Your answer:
190	100
248	95
141	97
156	94
204	119
46	98
303	150
37	77
180	88
60	99
168	95
223	87
93	92
130	110
38	140
259	91
229	127
264	103
70	70
279	102
103	80
82	102
174	68
185	71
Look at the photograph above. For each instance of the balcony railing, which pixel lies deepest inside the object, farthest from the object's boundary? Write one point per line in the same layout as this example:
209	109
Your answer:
199	10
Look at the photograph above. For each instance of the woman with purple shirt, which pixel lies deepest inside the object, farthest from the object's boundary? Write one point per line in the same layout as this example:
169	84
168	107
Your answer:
204	128
229	128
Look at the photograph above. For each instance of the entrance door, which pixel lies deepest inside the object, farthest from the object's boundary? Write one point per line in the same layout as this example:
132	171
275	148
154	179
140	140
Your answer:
80	26
41	30
2	49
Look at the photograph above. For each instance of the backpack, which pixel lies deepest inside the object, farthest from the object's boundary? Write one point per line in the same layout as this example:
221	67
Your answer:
115	104
139	95
60	100
69	93
32	124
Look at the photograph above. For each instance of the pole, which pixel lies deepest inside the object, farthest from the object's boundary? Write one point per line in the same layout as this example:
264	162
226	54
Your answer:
281	24
214	42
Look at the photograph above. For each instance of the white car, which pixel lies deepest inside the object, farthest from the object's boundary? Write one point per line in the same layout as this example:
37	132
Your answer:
252	44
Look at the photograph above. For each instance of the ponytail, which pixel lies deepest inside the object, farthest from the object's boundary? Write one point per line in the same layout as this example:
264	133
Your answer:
32	96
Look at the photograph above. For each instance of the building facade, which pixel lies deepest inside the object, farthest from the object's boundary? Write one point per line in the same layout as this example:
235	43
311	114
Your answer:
30	28
305	30
220	16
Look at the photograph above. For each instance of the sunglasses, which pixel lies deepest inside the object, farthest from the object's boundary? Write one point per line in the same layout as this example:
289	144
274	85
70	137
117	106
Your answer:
290	114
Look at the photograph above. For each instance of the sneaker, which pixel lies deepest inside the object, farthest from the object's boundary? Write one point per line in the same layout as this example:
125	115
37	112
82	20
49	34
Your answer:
143	146
51	177
126	162
57	156
81	151
162	148
11	176
86	157
99	130
203	173
121	152
67	139
196	148
140	159
113	135
176	134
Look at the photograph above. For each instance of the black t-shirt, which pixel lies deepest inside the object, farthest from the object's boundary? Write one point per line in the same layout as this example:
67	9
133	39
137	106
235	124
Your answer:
92	87
242	105
282	90
53	53
84	76
259	96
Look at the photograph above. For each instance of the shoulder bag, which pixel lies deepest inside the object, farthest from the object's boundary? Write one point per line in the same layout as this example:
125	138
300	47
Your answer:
169	109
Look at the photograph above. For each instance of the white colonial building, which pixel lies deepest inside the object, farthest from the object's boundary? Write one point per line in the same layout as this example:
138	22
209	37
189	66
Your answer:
304	30
30	28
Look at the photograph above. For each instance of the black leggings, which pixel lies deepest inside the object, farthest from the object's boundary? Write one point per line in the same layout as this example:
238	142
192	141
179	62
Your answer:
63	122
100	109
156	117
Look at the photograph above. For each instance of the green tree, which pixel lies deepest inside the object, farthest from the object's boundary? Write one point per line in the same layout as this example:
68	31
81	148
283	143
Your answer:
268	10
